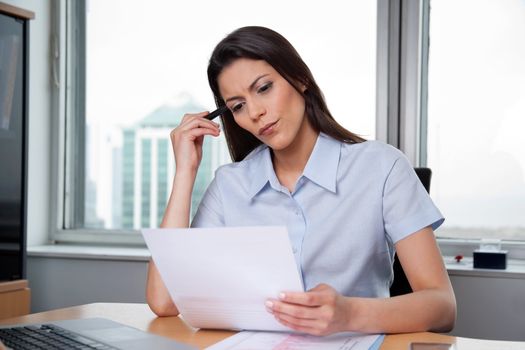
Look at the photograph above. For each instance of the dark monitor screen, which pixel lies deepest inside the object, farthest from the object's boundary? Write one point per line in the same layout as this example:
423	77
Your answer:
12	149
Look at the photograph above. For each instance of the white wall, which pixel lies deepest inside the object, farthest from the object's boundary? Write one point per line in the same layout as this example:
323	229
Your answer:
490	307
58	282
39	120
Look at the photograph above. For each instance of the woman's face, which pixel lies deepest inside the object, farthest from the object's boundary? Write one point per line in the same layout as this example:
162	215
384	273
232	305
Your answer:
263	102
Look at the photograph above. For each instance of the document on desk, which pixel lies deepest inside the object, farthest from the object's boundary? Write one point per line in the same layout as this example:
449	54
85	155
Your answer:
221	277
288	341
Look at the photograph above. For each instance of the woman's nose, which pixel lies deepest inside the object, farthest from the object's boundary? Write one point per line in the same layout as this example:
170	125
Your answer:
256	110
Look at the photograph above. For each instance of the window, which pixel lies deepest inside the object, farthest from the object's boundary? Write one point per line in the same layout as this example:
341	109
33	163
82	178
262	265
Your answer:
476	110
145	66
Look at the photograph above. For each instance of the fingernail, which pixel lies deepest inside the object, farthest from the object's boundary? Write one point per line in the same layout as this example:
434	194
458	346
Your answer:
282	296
268	304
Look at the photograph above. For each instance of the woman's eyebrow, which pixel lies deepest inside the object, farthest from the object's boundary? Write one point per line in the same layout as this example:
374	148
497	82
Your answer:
250	88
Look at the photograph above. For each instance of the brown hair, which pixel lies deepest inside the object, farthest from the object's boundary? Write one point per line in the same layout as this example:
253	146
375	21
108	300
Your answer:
261	43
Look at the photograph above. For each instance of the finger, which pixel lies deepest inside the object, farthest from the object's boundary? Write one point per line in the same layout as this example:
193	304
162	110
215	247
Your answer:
300	322
189	118
310	298
199	141
195	133
307	327
294	310
191	133
199	123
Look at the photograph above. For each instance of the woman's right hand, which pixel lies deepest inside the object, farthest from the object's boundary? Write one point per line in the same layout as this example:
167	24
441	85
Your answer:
187	140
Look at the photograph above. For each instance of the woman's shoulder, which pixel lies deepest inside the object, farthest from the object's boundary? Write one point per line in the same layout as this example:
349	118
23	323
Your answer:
244	166
375	149
375	158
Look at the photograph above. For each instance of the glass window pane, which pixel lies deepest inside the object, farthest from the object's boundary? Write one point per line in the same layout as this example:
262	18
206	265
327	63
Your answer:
476	116
146	67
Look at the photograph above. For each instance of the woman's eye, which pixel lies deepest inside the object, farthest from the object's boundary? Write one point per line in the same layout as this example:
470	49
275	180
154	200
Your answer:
265	87
237	107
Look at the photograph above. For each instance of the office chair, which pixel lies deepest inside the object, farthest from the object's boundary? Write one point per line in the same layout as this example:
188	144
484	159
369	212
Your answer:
400	285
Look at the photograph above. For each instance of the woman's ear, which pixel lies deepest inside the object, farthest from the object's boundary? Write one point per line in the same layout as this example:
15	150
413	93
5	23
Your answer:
299	86
304	86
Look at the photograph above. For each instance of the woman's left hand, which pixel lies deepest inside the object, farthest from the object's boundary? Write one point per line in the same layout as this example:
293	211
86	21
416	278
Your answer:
319	311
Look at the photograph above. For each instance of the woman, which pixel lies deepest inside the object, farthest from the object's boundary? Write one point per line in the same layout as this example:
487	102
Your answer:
349	204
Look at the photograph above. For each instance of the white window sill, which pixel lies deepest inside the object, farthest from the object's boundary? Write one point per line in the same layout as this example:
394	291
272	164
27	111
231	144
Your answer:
89	252
515	268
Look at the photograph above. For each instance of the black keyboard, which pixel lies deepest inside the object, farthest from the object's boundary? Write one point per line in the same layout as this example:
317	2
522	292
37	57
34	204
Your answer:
48	337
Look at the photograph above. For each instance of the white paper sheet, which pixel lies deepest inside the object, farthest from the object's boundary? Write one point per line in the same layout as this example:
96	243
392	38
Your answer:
221	277
288	341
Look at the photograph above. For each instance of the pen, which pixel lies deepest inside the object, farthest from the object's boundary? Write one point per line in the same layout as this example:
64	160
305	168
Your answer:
216	112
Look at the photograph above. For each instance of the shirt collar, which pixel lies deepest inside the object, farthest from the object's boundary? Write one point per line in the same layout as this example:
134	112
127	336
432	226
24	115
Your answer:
262	171
321	167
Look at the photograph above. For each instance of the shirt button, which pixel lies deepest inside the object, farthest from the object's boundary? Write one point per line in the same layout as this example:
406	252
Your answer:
294	249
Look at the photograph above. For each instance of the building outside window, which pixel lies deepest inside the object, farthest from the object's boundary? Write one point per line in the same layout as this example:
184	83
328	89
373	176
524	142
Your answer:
147	168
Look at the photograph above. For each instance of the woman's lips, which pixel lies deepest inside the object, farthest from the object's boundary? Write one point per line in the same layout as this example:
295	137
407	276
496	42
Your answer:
267	129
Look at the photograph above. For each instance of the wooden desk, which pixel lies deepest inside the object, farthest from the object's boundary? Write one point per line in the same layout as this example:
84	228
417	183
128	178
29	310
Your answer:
15	298
140	316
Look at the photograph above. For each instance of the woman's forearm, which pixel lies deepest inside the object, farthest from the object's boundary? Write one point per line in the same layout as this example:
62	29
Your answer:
424	310
157	294
177	214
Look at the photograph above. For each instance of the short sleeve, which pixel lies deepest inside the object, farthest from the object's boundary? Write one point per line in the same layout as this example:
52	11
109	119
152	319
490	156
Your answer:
210	212
407	207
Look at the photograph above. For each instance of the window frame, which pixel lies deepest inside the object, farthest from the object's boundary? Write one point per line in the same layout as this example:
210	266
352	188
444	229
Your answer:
68	138
448	246
401	102
402	99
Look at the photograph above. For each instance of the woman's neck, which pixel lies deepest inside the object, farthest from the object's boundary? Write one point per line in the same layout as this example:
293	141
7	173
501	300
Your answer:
289	163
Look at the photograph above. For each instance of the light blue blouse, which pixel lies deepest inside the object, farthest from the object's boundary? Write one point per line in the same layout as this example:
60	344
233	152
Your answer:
348	208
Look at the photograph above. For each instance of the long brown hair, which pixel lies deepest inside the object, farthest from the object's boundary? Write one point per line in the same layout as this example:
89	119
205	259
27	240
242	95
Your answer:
260	43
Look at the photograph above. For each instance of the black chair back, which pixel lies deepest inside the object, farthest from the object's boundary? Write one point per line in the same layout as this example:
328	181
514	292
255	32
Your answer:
400	285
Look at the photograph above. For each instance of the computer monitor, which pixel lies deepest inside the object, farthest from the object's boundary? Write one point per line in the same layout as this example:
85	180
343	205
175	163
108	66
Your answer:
13	141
